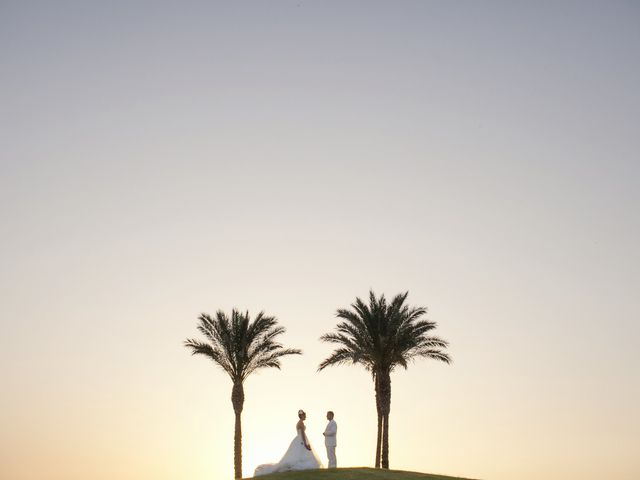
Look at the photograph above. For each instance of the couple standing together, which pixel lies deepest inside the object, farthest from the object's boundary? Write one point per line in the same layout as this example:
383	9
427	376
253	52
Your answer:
300	455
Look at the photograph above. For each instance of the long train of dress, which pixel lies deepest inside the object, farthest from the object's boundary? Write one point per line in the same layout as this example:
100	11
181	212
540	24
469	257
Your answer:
297	457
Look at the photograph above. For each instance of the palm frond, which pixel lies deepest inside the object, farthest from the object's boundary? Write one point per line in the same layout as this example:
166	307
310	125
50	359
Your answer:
434	355
241	346
269	360
383	334
340	356
201	348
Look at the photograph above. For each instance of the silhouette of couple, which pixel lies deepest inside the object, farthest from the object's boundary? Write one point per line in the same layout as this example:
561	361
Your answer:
300	455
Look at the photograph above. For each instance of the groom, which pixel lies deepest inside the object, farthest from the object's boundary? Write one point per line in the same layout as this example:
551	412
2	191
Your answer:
330	439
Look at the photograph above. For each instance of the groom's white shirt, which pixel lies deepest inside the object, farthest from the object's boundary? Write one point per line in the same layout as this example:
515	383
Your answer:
330	434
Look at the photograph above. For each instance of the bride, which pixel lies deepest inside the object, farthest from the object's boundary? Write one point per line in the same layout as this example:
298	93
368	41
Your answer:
299	456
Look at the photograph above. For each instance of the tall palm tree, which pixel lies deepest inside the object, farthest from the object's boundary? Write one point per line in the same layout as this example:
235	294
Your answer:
240	347
380	337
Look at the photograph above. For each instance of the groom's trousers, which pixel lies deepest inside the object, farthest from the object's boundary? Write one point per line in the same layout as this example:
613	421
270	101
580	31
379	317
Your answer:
331	454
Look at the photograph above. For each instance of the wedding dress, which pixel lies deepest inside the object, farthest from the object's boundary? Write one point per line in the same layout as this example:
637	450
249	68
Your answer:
297	457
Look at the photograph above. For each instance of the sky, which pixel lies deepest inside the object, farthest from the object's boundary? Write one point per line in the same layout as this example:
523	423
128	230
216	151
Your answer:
163	159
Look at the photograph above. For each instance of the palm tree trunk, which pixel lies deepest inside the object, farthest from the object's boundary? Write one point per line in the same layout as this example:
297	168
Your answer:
385	441
379	411
237	399
379	440
385	394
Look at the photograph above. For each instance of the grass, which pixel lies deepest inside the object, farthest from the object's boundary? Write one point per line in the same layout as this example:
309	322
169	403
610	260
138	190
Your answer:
356	474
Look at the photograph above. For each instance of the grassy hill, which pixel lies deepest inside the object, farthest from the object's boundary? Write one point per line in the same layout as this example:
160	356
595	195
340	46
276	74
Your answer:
356	474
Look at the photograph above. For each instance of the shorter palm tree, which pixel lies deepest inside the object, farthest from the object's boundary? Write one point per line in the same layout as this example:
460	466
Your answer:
240	347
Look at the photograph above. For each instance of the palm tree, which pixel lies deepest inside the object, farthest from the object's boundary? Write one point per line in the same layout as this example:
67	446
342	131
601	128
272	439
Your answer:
240	347
381	337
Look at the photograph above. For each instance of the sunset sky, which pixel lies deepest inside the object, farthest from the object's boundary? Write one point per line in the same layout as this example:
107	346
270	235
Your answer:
163	159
